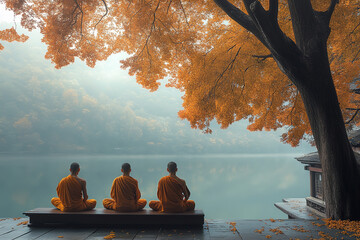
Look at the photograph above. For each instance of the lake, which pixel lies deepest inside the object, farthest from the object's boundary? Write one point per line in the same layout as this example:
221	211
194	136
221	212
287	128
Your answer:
223	186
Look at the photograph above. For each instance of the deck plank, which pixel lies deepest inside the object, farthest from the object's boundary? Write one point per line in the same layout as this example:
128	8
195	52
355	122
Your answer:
182	233
297	229
10	224
69	233
34	233
297	210
16	232
221	229
120	233
148	233
247	228
99	233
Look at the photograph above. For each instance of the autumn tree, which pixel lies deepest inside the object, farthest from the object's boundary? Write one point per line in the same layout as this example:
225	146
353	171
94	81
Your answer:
275	63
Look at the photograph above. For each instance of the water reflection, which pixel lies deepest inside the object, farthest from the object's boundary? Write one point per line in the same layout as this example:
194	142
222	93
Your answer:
224	186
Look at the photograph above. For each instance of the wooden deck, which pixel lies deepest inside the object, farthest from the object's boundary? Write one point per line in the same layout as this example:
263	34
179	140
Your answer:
213	229
296	208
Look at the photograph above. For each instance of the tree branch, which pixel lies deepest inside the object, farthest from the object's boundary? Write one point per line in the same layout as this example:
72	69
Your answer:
282	48
353	116
106	12
263	57
183	10
240	17
82	17
278	43
324	18
167	10
303	21
151	30
274	9
356	90
330	10
229	66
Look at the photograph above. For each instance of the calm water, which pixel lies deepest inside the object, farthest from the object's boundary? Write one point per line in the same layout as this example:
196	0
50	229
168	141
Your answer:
224	186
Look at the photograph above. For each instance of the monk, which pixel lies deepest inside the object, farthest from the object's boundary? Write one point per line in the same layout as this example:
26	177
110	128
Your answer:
172	193
125	193
72	193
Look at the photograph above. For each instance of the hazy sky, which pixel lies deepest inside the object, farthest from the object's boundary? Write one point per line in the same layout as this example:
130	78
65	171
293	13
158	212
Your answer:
80	109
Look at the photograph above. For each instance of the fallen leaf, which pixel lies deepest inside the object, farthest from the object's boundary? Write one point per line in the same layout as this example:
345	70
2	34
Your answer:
23	223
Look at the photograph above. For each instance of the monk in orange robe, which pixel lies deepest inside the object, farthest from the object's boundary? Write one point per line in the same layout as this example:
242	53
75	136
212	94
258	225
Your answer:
125	193
172	193
72	193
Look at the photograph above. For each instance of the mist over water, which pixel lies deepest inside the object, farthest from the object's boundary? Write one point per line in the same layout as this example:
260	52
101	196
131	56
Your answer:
223	186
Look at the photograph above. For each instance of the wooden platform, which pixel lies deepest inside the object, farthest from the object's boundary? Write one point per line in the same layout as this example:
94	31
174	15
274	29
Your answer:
276	229
296	208
101	216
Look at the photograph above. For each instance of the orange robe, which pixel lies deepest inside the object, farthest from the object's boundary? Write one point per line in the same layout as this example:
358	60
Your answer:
171	195
125	195
70	197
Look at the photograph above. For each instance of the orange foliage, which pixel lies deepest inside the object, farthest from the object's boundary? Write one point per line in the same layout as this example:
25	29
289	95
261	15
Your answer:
351	228
22	223
276	231
11	35
200	51
300	229
259	230
111	235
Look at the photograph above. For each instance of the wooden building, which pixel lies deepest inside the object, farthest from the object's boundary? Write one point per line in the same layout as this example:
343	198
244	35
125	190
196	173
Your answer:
312	163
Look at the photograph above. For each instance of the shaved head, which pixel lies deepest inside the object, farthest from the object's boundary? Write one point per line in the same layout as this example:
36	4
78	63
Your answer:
172	167
74	167
126	167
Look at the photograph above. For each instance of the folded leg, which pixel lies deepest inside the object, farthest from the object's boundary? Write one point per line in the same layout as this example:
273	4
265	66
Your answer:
57	203
190	205
155	205
141	203
90	204
109	203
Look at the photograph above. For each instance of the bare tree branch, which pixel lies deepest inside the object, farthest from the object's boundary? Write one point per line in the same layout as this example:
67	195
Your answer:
263	57
183	10
356	56
356	90
229	66
277	42
167	10
353	116
82	17
293	108
352	31
106	12
284	51
151	30
240	17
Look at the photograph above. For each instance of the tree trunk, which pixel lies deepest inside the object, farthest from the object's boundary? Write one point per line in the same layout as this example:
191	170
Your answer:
309	69
340	171
307	66
341	175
